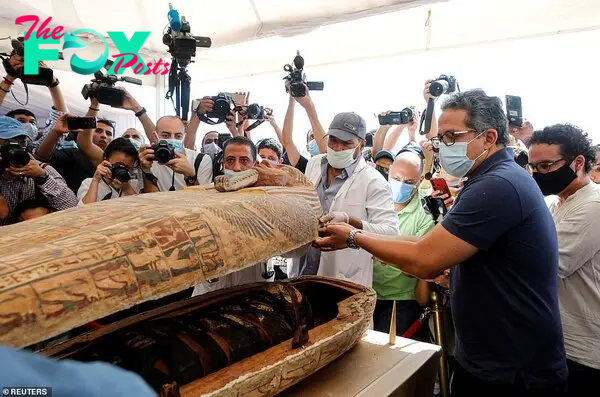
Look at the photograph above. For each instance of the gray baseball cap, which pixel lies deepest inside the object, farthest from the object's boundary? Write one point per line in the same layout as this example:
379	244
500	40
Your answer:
348	125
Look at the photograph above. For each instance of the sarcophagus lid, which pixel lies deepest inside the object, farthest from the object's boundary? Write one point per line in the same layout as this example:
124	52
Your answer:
66	269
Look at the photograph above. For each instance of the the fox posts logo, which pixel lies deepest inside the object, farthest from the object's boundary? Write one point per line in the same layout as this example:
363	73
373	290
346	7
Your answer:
128	56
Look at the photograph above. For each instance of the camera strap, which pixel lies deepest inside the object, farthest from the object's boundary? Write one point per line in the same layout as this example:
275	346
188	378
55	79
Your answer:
253	125
426	117
205	119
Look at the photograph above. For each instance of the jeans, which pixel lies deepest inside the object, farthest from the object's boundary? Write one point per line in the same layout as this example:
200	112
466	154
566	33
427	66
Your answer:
463	384
407	312
583	381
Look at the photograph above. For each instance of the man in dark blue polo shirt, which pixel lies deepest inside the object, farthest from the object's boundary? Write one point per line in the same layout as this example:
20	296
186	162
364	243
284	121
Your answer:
500	241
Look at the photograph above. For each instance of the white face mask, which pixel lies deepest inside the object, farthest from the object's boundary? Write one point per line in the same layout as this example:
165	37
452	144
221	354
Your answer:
342	159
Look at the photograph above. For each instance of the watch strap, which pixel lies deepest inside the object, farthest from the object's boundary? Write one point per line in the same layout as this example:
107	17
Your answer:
140	113
54	84
350	241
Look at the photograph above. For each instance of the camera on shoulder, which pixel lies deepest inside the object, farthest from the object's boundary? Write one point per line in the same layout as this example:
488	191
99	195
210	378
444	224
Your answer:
297	78
106	92
44	77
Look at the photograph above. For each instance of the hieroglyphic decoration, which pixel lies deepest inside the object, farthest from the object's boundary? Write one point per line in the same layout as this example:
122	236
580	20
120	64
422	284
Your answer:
65	269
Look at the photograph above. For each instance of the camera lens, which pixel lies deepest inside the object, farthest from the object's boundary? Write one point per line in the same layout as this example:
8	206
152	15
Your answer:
120	173
163	153
438	87
18	157
221	107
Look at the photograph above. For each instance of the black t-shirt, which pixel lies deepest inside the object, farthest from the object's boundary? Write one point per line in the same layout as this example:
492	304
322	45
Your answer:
504	298
73	165
300	166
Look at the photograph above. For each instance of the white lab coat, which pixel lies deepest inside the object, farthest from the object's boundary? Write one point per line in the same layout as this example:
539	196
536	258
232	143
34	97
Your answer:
367	196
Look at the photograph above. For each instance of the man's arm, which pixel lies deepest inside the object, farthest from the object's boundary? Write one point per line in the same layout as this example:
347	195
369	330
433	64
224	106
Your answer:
86	145
46	148
88	191
130	103
56	191
287	139
381	217
16	62
317	129
191	132
379	139
58	100
578	238
392	137
146	159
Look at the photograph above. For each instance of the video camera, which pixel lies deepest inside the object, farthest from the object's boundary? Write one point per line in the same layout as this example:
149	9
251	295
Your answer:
182	47
297	78
45	75
402	117
106	93
12	154
443	85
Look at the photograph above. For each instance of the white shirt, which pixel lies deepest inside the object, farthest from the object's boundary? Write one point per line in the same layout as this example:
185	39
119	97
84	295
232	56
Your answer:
164	174
577	223
104	190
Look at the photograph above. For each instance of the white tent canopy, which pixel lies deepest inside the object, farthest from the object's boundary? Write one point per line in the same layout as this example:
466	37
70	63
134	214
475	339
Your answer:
254	38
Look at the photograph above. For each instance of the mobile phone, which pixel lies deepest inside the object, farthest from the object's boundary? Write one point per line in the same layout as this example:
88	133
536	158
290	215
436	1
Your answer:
514	111
81	123
441	185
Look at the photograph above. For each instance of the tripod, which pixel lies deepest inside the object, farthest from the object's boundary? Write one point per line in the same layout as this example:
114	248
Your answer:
179	83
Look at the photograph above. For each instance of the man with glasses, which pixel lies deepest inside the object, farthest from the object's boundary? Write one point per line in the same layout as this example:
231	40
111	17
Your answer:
561	158
500	242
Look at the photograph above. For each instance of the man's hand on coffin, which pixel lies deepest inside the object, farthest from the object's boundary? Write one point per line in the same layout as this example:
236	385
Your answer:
181	165
103	172
31	170
4	211
333	237
334	217
146	158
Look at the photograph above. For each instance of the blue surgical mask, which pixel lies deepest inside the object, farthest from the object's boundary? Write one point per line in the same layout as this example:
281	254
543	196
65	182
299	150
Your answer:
32	131
401	192
230	173
176	144
454	159
313	148
136	144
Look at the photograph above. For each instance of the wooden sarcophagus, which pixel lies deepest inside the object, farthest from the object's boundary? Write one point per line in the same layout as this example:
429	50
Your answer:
88	279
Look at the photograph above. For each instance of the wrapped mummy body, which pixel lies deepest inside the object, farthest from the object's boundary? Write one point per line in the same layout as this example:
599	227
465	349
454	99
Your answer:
67	269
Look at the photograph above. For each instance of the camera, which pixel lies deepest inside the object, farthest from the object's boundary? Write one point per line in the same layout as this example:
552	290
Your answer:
13	155
222	105
443	85
404	116
120	173
182	44
163	152
106	93
255	112
45	75
297	78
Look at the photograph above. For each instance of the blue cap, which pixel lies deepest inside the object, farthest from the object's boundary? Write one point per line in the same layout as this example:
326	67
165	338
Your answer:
11	128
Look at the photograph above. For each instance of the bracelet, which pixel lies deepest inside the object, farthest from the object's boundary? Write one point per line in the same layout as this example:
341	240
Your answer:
141	112
94	109
7	91
350	241
56	83
7	81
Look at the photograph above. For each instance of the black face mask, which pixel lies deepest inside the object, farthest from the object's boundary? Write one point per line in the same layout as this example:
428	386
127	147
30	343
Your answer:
556	181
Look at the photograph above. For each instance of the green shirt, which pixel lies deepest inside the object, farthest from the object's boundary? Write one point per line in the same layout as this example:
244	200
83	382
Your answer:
389	282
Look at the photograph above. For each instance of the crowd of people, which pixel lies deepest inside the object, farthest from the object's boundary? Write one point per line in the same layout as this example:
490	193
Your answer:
523	271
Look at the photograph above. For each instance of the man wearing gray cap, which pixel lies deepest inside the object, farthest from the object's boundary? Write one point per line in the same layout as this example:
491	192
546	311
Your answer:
23	178
350	191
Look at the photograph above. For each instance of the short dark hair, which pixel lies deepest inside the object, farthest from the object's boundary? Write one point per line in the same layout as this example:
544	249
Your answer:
121	145
242	140
29	204
573	141
13	113
483	112
107	122
272	144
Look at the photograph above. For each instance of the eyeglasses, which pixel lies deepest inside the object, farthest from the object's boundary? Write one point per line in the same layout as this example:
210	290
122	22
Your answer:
544	166
448	138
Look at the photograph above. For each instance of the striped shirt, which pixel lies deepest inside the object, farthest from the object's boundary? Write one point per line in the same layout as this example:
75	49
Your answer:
54	189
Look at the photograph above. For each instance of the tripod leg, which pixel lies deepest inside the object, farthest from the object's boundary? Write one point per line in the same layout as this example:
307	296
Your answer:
440	340
185	79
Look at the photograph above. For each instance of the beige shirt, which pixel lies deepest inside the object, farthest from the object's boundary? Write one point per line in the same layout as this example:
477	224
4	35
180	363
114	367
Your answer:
577	223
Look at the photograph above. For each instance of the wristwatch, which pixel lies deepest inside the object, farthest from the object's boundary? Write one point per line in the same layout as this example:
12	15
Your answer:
350	241
40	180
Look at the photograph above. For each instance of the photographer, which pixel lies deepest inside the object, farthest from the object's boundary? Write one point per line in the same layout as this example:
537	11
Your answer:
74	164
21	183
106	184
186	168
561	157
500	242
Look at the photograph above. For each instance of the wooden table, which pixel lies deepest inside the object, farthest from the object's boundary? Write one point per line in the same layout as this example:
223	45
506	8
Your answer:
374	368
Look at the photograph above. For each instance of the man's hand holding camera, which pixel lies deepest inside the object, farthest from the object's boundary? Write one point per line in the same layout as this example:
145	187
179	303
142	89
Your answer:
31	170
206	106
16	62
181	165
103	172
146	158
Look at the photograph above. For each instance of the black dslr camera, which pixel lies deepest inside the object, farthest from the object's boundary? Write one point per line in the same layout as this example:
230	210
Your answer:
297	78
222	105
44	76
106	93
443	85
12	154
120	173
163	152
255	112
402	117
